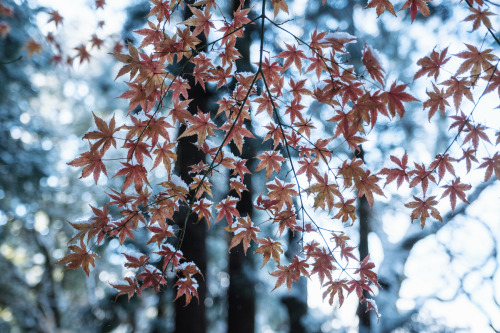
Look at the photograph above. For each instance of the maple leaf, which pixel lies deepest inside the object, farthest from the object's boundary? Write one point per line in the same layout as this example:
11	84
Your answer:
283	192
421	209
152	35
201	125
79	257
324	192
227	209
92	160
202	207
161	10
469	157
83	54
372	65
100	4
358	286
399	174
133	173
416	5
55	17
201	21
187	286
271	160
245	232
309	167
294	109
290	273
479	16
292	55
236	132
335	288
367	185
422	177
170	255
164	154
443	163
132	62
237	185
346	210
96	42
432	65
458	88
160	233
130	289
136	261
475	60
394	98
32	47
365	271
474	133
437	100
352	172
202	186
269	248
381	7
279	5
284	274
138	150
491	164
322	265
456	189
104	135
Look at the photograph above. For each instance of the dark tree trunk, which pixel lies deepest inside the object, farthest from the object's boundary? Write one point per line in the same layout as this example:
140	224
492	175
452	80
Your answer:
364	229
192	318
241	291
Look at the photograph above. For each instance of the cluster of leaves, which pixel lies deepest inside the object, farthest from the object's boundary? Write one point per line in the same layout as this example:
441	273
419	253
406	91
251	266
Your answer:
278	95
35	45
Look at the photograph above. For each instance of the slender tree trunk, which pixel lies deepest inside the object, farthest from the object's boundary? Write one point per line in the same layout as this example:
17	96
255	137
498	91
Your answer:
192	318
241	291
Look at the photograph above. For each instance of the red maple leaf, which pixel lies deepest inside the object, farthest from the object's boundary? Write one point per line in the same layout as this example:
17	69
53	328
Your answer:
415	6
130	288
456	189
79	257
269	248
394	98
366	272
292	55
187	286
373	65
92	160
421	209
133	173
244	231
491	164
201	21
335	288
227	209
432	64
271	160
397	173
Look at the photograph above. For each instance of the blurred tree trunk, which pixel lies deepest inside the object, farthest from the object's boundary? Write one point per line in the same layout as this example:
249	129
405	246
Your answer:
192	318
241	291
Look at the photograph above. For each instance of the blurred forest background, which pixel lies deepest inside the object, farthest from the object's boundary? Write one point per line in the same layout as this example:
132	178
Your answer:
439	279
